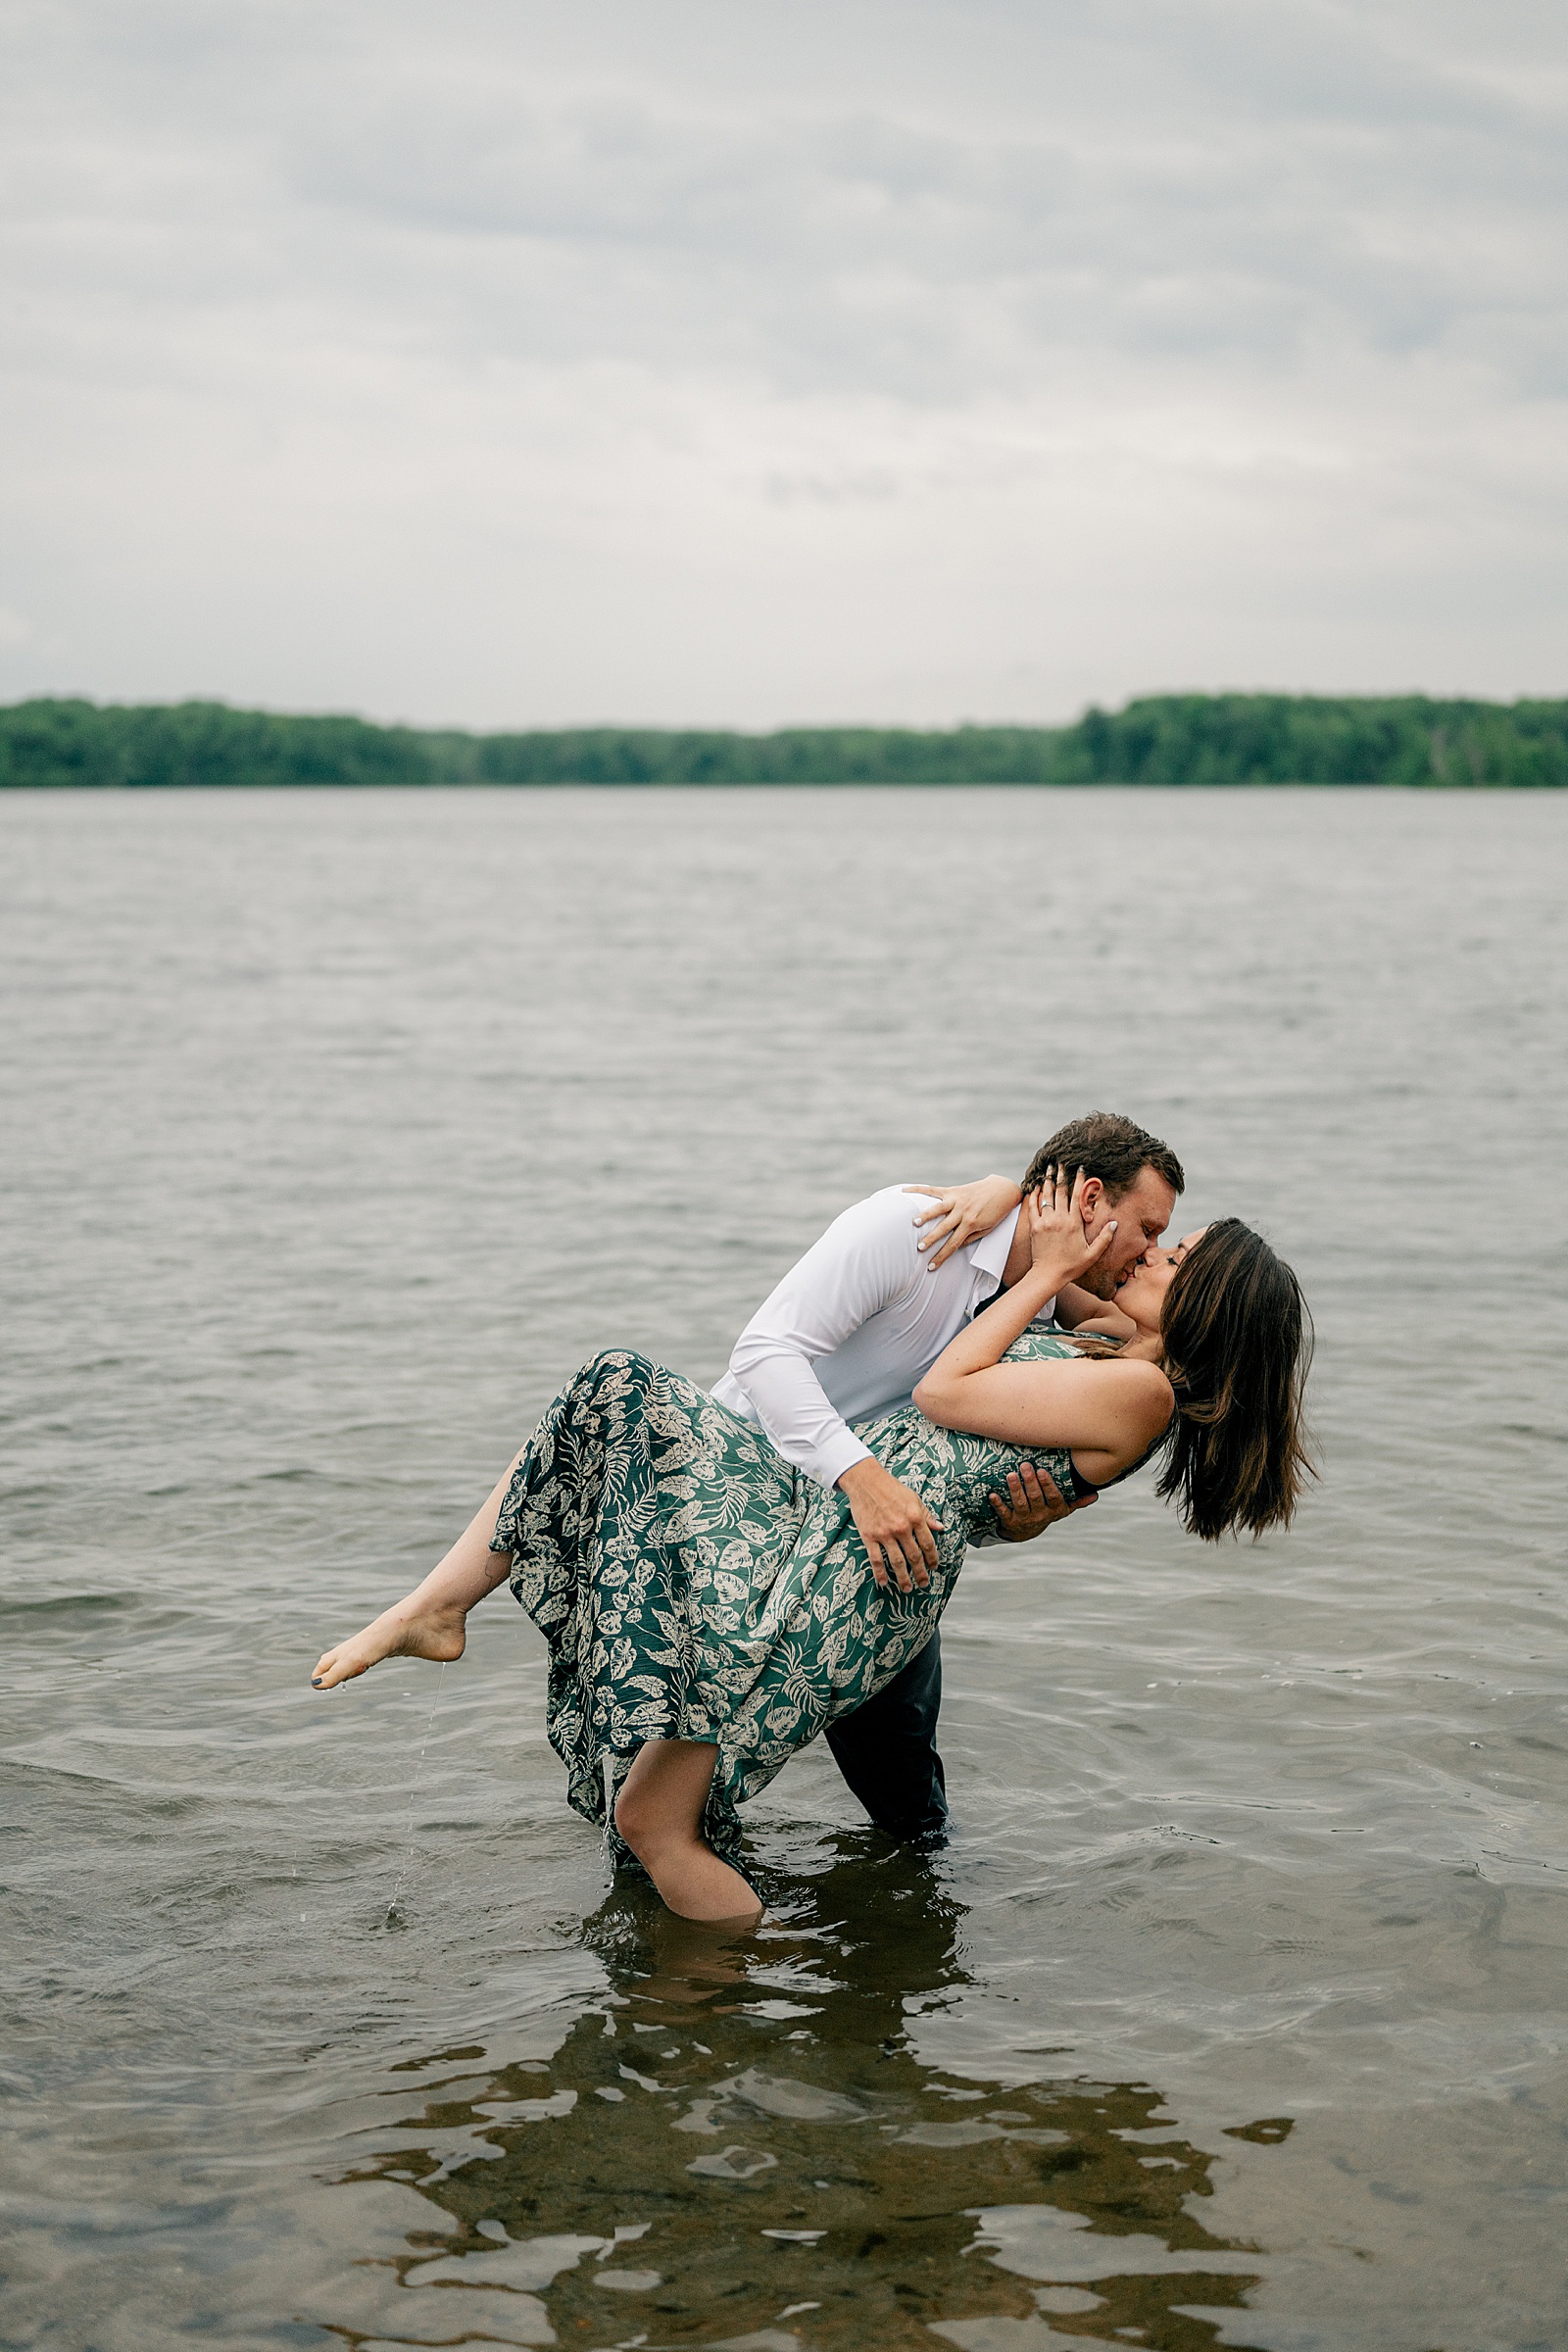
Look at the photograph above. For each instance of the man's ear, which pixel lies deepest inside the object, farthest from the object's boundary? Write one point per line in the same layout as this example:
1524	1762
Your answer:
1090	1198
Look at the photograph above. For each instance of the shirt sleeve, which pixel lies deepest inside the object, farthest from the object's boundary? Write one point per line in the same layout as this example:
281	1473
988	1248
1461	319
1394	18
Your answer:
865	1260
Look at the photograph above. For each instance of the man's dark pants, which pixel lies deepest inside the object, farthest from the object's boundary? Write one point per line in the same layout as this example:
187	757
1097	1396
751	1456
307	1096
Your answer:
887	1751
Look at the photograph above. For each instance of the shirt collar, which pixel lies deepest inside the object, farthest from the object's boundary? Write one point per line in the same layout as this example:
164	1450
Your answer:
989	1255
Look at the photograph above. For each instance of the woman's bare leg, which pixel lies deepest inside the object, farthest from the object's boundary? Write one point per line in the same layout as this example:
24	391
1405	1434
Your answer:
660	1814
429	1621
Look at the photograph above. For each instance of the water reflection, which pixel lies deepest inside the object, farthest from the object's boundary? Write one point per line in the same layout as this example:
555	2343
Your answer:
737	2146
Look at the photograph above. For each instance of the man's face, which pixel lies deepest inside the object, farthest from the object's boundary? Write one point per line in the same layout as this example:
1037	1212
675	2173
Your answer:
1141	1216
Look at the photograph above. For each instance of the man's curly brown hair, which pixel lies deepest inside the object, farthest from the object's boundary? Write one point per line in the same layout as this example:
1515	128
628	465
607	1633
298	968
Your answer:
1109	1146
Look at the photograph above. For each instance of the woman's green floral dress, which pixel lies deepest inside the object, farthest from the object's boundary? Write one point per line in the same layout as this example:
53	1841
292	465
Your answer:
692	1585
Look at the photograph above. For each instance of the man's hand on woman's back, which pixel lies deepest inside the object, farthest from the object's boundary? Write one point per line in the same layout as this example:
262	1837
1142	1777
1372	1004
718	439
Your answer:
1033	1502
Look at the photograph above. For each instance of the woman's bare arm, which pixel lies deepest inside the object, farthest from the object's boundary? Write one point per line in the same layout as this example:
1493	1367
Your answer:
1109	1412
1058	1252
1105	1413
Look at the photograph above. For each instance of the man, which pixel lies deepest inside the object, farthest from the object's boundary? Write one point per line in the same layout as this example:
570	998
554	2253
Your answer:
847	1335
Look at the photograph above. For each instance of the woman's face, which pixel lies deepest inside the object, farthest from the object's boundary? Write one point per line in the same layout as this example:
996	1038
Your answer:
1141	1293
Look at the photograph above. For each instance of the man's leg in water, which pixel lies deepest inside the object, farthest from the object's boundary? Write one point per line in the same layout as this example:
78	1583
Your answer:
887	1751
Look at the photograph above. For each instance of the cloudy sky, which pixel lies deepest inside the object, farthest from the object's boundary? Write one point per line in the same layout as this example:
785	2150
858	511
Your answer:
754	361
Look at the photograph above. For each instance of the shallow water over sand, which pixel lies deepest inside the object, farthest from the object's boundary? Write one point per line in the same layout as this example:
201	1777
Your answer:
343	1127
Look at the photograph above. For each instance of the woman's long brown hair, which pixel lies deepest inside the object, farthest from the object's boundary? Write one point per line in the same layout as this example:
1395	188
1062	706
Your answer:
1238	1343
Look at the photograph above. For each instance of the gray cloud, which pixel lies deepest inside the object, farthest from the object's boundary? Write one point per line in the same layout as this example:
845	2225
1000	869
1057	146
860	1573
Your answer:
905	360
1243	195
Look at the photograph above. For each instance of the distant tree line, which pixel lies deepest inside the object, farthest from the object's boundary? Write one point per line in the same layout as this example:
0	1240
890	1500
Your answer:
1171	739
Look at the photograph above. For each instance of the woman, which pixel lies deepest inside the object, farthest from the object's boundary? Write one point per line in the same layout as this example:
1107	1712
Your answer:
707	1609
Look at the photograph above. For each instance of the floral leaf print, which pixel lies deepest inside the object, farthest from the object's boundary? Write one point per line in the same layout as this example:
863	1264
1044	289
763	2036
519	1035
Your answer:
690	1583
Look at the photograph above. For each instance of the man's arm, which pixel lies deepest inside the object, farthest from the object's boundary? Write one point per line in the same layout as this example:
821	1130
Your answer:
1080	1311
865	1261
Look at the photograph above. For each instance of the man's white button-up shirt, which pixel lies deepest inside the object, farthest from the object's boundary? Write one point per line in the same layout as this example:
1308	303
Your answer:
853	1327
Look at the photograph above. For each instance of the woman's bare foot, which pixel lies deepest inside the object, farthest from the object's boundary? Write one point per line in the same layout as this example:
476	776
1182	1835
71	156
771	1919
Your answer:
402	1632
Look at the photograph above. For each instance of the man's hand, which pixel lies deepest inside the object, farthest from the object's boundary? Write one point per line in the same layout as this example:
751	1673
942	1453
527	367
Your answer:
1033	1504
895	1526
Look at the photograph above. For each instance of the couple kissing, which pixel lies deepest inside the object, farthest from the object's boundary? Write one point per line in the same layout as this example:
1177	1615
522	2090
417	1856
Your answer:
720	1577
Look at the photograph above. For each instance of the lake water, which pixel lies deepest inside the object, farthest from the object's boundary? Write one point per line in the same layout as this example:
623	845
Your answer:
340	1128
